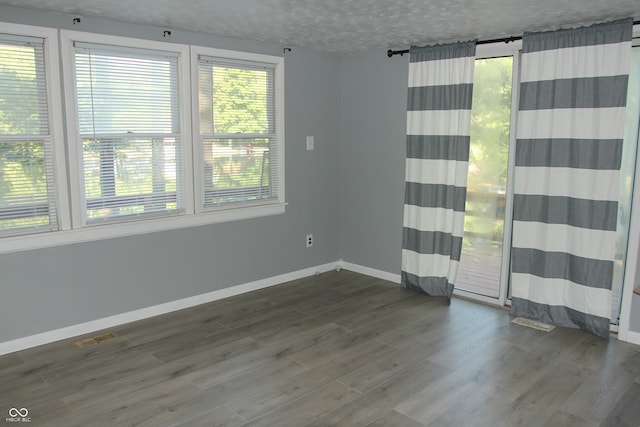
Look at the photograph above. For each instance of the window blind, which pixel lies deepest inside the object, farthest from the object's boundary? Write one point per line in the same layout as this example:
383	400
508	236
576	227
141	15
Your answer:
129	125
27	196
237	131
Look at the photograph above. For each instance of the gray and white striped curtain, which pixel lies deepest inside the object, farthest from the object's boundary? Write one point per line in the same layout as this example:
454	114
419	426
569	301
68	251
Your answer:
438	126
568	151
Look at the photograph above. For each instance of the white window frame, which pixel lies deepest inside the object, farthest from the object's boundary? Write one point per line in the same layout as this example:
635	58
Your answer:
75	142
633	248
54	106
225	213
498	50
67	164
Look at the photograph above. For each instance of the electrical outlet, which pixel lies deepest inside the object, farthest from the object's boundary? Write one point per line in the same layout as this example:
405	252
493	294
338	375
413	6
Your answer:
309	240
310	143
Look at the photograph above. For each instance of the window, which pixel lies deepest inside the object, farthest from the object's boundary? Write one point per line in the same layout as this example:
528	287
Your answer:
240	144
27	177
131	165
129	130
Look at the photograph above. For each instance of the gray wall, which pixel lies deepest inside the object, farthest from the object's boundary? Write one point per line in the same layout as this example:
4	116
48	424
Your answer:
348	193
46	289
374	100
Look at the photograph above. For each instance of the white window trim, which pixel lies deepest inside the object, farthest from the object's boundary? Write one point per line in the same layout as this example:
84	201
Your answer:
633	249
68	187
75	153
102	232
54	97
278	61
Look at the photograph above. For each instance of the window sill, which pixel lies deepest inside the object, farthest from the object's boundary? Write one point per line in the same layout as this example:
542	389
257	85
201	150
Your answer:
110	231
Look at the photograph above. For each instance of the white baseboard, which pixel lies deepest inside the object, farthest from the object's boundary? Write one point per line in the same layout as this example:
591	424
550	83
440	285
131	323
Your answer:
384	275
156	310
633	337
144	313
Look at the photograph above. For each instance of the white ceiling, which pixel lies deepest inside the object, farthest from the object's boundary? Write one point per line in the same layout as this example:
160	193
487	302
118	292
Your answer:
348	25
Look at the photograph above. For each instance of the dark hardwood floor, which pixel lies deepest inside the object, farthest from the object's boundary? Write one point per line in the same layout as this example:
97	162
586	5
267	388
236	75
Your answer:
338	349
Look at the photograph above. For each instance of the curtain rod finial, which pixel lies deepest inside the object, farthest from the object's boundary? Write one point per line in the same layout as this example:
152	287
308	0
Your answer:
390	52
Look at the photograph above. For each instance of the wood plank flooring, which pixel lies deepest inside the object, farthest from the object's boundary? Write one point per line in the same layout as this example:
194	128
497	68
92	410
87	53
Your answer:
337	349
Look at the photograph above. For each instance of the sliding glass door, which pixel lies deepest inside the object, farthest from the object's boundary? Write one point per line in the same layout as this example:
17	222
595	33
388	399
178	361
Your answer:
627	173
484	225
484	264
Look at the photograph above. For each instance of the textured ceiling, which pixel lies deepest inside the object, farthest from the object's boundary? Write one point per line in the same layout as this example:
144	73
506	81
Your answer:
348	25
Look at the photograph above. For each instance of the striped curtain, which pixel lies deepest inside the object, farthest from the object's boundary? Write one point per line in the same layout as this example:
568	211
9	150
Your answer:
438	126
568	152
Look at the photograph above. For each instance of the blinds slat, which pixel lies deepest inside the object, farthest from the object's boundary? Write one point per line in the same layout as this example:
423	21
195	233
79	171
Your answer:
234	63
122	51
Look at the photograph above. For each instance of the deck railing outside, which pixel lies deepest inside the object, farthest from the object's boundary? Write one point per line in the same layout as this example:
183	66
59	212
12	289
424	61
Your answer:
480	262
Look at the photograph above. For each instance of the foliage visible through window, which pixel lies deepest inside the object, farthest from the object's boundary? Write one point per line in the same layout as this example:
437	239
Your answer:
129	125
127	155
237	131
27	199
488	155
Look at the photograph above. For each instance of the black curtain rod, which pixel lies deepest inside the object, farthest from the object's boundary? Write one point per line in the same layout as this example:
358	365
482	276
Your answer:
391	53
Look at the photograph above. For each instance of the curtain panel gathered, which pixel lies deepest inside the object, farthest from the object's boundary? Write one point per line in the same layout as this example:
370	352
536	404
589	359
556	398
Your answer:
568	152
438	126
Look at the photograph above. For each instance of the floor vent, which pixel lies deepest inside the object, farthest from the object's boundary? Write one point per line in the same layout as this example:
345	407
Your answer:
94	340
533	324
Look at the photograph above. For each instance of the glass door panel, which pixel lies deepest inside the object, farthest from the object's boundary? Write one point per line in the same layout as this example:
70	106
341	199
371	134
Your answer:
627	170
481	261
